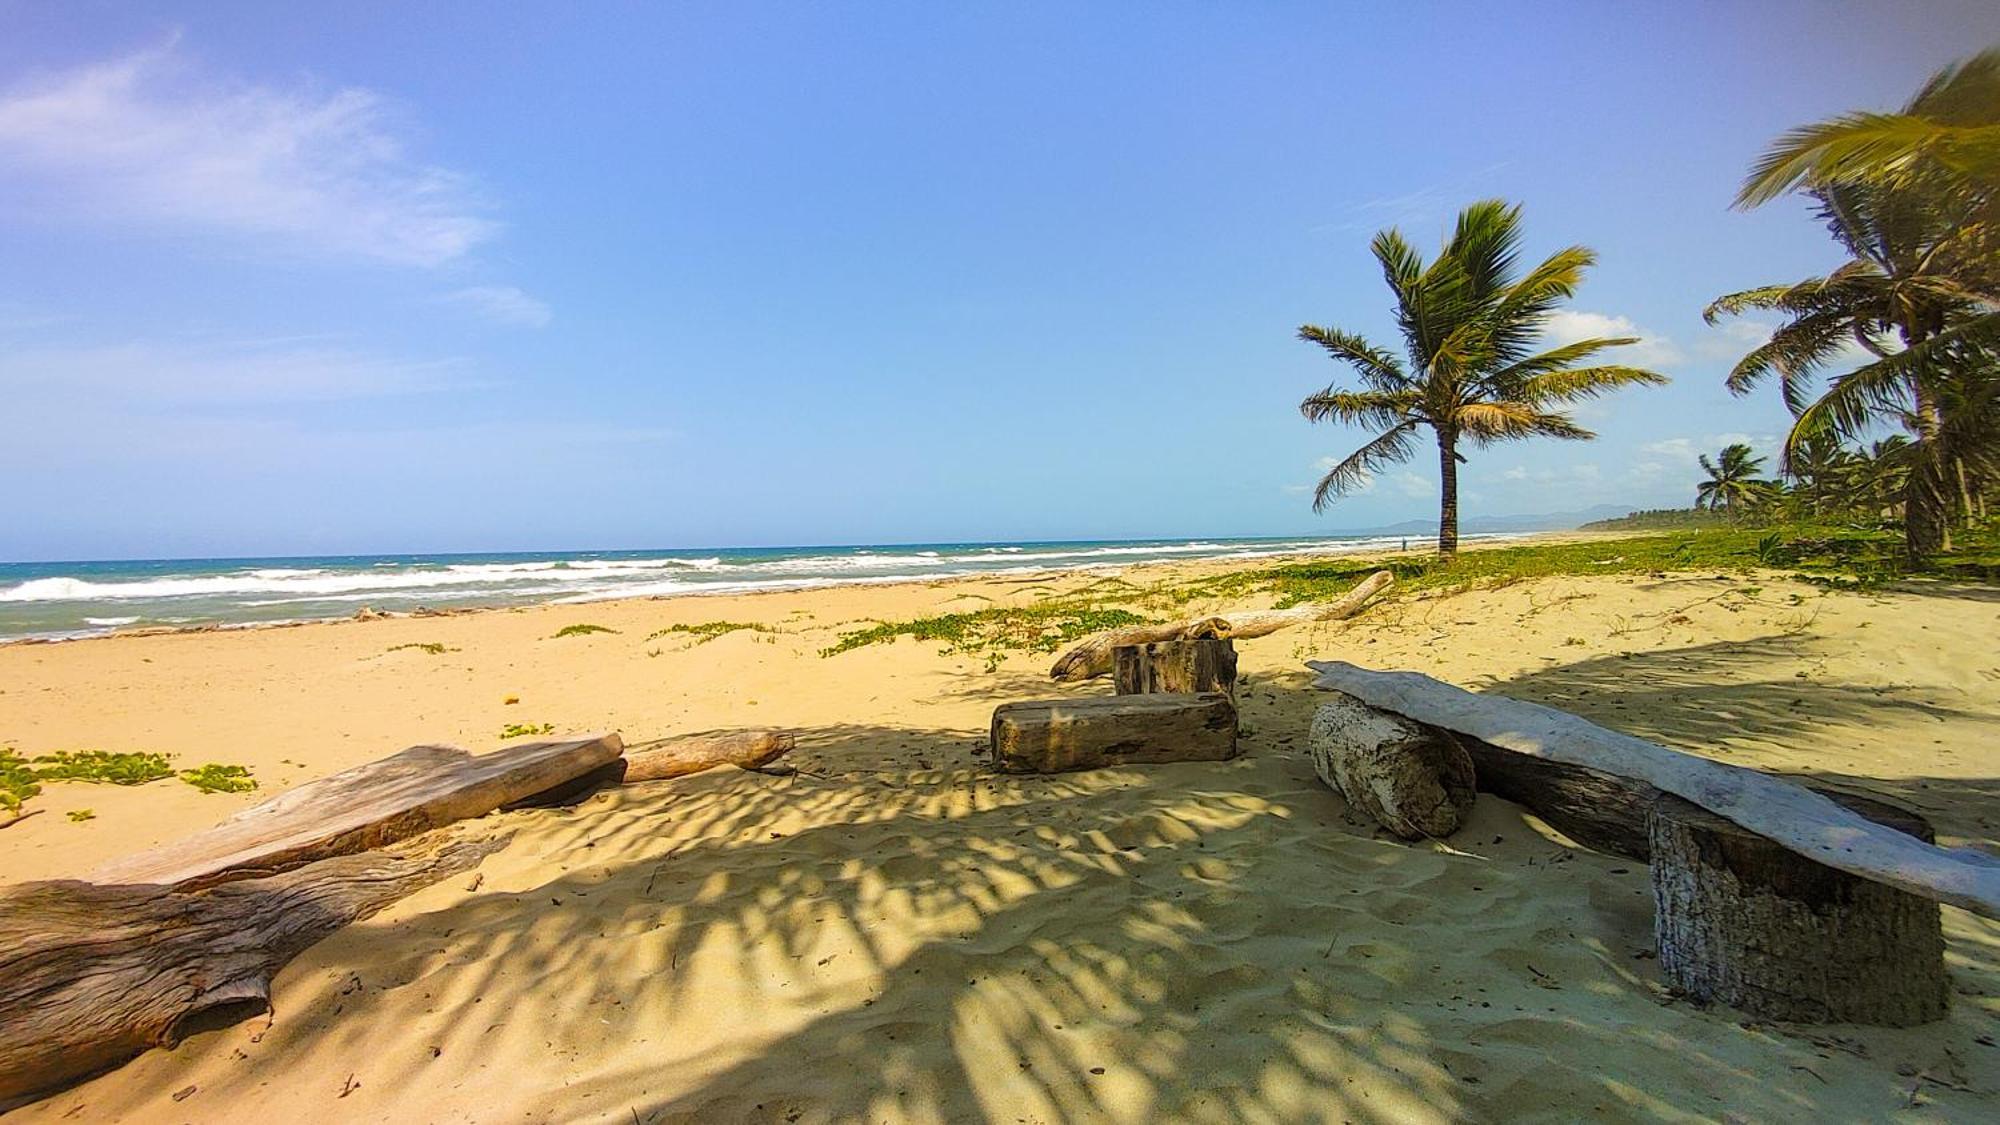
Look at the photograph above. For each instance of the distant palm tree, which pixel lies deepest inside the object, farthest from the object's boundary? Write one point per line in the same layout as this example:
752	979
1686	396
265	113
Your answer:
1732	483
1470	327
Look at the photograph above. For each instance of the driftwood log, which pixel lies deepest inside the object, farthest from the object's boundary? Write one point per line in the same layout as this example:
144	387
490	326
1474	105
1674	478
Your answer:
422	788
92	975
1093	656
1743	922
1051	735
678	757
1414	780
1175	667
1789	815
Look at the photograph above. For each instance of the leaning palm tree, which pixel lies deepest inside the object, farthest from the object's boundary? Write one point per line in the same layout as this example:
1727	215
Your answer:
1473	375
1732	485
1914	199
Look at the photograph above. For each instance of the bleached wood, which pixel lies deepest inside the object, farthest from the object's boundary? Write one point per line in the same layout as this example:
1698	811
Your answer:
422	788
1051	735
1093	656
92	975
693	753
1788	814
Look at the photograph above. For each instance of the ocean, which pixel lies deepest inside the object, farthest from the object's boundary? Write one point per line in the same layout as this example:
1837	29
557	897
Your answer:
85	598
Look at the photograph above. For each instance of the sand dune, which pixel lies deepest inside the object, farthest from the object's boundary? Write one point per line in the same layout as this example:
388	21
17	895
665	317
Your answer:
895	934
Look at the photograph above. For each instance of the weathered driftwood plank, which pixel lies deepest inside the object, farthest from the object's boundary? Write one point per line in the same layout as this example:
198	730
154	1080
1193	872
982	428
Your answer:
422	788
1050	735
1183	667
1788	814
1093	656
1744	922
92	975
1414	780
693	753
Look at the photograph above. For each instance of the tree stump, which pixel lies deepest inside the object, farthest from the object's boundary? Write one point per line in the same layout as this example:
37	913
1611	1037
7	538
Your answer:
1051	735
1744	922
1414	780
1180	667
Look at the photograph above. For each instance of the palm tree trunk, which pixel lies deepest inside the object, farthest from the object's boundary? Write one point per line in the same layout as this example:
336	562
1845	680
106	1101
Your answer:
1447	494
1926	526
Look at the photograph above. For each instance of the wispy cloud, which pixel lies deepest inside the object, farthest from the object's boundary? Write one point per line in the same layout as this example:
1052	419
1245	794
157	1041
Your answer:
145	139
504	304
1654	349
228	372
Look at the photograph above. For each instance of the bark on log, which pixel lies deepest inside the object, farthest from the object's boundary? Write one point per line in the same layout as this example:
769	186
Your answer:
678	757
92	975
1743	922
1176	667
1414	780
1093	656
1051	735
1788	814
422	788
1599	810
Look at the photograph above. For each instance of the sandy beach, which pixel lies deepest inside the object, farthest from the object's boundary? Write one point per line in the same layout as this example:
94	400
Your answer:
897	934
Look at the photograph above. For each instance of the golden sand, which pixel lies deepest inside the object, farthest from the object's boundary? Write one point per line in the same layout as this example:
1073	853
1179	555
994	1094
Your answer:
895	934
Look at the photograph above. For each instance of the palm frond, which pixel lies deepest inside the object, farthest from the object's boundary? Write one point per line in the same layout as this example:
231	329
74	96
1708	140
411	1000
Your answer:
1572	384
1379	368
1391	448
1377	410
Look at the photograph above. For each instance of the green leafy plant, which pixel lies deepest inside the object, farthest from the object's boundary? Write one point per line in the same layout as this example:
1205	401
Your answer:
432	647
107	766
218	778
81	815
17	781
709	630
581	630
525	730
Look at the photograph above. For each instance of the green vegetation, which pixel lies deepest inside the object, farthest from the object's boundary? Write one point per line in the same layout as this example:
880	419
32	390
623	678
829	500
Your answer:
110	767
709	630
1913	200
433	648
994	632
1661	519
17	780
1732	484
81	815
1470	327
21	778
217	778
581	630
525	730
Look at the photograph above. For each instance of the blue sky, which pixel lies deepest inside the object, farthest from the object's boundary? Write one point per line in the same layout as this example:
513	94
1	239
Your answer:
374	277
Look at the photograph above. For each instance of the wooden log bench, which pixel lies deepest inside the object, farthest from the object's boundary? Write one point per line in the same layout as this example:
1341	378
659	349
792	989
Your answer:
1052	735
1785	902
1184	667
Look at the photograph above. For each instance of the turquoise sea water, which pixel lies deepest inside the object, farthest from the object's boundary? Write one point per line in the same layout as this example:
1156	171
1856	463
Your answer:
82	598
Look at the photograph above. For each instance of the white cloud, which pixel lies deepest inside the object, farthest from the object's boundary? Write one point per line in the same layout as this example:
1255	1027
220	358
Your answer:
1567	326
503	303
143	139
229	372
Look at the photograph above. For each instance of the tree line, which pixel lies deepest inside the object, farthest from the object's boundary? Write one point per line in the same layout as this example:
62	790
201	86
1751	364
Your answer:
1889	365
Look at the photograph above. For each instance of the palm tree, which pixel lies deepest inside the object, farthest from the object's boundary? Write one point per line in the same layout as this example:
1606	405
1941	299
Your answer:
1470	328
1914	198
1732	483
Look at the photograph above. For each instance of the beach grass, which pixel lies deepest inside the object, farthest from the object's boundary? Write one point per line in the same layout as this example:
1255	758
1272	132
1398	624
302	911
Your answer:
709	630
992	632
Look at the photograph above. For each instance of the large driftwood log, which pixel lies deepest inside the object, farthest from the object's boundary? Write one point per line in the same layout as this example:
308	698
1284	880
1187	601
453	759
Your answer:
1788	814
1744	922
1050	735
91	975
422	788
1175	667
693	753
1414	780
1093	656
